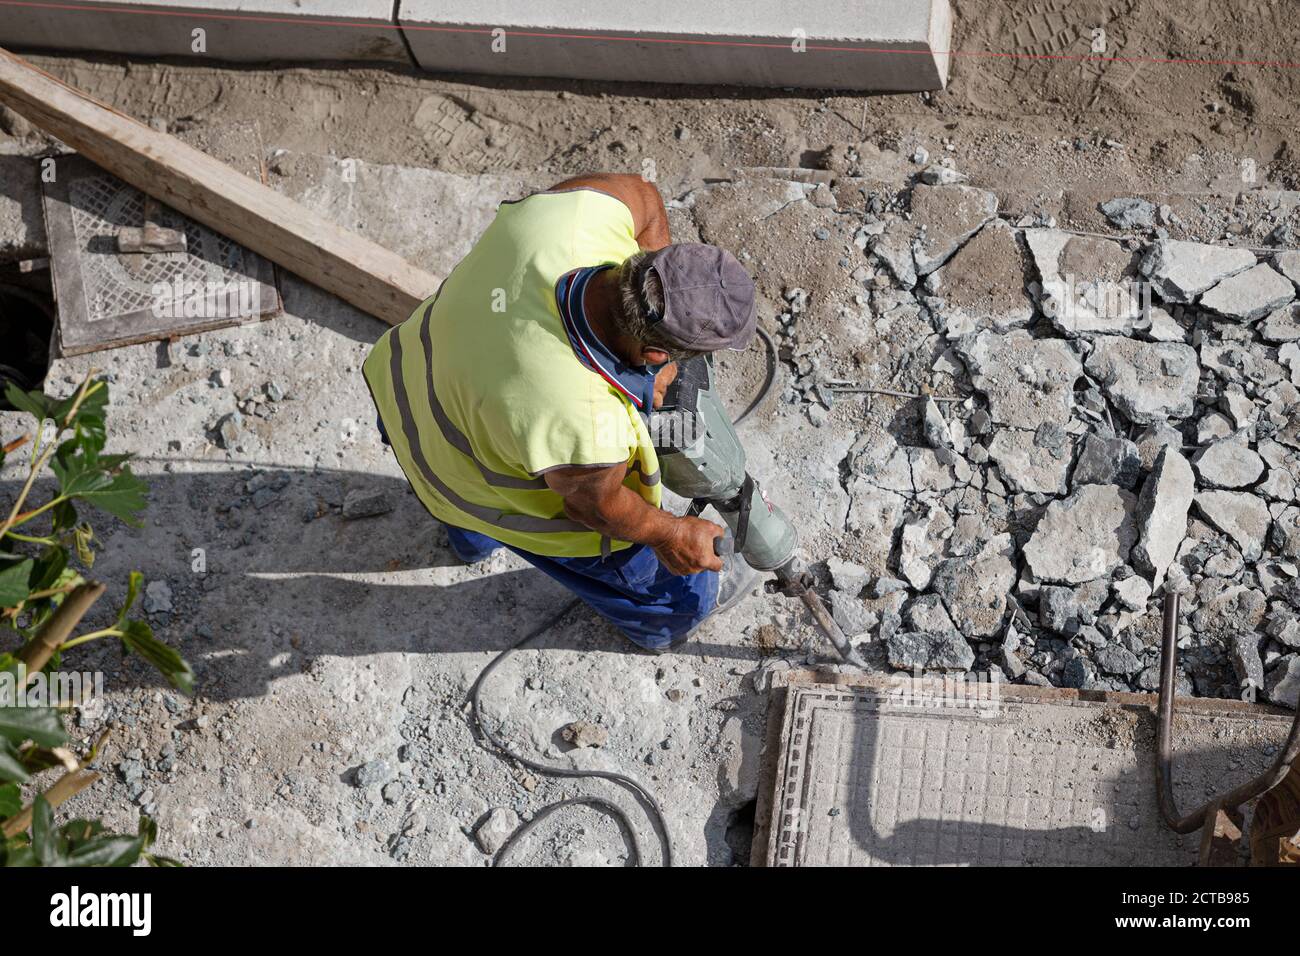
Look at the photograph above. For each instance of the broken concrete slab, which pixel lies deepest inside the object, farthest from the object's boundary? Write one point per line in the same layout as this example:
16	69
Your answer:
983	285
1212	426
1241	410
1108	460
1148	381
974	590
1152	439
922	650
1240	362
1025	466
1288	263
1159	325
1087	283
873	511
927	613
1241	516
1282	325
1161	514
1083	537
1065	609
1130	213
917	551
877	45
1117	659
1228	463
1243	651
1027	381
443	213
1181	271
1283	626
1250	295
1282	686
847	576
1132	592
948	439
1289	356
949	215
851	614
892	247
1285	533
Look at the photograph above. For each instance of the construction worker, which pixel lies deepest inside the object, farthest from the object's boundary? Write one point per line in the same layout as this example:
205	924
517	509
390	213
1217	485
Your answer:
515	399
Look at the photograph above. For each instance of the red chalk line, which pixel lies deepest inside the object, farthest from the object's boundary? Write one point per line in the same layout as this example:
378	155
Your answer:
308	21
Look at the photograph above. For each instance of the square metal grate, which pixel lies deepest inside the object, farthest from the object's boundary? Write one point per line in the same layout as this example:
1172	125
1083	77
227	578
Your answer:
864	780
107	298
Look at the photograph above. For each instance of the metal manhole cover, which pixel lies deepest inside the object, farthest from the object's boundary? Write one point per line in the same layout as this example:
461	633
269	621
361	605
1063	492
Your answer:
107	298
864	780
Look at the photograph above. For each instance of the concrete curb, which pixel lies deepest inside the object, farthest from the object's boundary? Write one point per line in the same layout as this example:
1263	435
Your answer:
838	44
242	31
875	45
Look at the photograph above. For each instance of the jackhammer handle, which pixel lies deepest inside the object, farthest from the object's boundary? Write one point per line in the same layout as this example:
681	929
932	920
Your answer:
724	545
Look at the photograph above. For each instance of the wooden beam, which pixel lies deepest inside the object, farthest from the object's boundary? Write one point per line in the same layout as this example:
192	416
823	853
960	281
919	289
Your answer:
355	269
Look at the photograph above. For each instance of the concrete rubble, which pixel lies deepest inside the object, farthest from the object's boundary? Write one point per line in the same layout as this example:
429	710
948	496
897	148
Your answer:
1132	427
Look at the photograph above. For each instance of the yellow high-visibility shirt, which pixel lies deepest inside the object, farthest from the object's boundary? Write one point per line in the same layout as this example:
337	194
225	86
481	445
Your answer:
481	392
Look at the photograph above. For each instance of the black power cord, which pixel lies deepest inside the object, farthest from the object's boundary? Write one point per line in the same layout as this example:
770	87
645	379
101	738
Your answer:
653	810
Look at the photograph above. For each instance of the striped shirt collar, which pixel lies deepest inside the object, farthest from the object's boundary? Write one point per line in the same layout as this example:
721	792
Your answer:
635	382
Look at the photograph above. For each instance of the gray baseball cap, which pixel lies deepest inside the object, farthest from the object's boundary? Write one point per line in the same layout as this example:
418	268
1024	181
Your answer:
708	297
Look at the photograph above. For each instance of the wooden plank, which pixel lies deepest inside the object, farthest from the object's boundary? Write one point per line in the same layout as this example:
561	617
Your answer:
355	269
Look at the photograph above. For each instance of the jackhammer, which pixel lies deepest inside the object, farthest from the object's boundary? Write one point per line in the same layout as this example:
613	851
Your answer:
701	458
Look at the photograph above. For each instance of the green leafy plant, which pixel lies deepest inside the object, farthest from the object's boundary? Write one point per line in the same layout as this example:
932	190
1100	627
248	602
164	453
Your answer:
43	598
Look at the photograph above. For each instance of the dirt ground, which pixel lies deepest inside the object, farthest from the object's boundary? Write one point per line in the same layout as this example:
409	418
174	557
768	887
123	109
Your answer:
265	762
1029	105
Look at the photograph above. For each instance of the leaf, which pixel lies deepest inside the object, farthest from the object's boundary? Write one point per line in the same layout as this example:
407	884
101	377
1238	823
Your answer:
44	844
41	725
107	850
11	768
148	830
166	861
78	831
64	515
49	566
19	854
87	424
85	477
11	800
138	636
13	582
34	403
134	582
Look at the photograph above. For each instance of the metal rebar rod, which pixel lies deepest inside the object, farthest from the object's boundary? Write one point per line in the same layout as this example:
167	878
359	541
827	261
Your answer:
1234	798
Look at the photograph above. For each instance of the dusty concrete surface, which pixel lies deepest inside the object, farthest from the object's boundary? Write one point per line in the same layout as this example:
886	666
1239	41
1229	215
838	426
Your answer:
334	653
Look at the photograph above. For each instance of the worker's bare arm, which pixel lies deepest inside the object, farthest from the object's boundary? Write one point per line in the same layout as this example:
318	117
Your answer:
596	497
649	218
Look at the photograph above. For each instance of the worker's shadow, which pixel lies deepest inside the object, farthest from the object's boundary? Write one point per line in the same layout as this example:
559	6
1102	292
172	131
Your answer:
264	576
